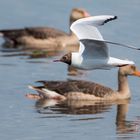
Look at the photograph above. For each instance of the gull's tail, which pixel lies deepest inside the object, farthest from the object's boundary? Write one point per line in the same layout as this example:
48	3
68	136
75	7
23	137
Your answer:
118	62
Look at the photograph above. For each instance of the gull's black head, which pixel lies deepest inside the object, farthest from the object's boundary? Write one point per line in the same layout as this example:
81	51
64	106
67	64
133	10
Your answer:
65	59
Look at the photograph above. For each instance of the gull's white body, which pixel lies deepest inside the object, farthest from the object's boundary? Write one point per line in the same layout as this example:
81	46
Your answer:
89	64
93	51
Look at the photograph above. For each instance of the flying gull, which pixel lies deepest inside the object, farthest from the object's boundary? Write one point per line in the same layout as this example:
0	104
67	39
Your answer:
93	51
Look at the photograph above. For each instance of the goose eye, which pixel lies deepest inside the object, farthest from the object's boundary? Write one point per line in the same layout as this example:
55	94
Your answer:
133	68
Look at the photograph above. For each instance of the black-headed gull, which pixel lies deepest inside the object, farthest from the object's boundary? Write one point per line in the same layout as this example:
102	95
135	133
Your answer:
93	51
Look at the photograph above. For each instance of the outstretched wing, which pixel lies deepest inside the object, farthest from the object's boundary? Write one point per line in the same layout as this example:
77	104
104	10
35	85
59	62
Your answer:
93	49
92	44
122	45
86	28
98	49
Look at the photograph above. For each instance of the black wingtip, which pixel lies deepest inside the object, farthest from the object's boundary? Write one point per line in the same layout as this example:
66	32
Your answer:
41	81
109	19
115	17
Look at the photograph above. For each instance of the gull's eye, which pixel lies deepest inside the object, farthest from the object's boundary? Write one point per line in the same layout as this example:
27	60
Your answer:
65	57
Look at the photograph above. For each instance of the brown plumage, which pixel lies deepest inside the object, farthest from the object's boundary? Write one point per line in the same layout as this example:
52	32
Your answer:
36	32
84	90
86	87
43	37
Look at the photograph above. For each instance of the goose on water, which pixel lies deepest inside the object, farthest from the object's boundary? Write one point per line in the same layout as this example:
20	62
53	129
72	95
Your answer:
43	37
84	90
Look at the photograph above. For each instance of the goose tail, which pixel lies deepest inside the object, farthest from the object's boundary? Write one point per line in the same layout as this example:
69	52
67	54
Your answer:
46	93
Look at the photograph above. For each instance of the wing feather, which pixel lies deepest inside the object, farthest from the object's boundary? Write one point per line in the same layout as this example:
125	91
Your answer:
91	40
86	28
94	49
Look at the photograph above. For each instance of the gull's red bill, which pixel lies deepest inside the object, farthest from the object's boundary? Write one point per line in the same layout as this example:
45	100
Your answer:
56	60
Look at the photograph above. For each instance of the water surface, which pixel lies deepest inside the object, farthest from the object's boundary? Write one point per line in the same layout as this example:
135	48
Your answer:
26	119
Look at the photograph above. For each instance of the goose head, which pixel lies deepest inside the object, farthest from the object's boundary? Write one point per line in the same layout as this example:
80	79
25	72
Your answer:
78	13
129	70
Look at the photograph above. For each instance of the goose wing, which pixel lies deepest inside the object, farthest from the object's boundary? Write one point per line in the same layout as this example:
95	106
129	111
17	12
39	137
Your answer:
44	32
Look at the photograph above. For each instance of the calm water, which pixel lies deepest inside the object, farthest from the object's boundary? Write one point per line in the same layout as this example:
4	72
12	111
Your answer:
23	119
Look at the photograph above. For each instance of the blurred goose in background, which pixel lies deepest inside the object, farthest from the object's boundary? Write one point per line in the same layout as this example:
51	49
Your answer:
93	51
43	37
84	90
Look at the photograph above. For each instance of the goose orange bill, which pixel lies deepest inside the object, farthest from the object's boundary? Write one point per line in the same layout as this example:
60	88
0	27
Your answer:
137	73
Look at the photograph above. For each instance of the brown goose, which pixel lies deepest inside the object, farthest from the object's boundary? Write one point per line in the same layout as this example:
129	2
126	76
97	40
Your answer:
43	37
84	90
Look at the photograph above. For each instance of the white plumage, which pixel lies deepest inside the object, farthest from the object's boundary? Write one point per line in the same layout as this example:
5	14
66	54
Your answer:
93	52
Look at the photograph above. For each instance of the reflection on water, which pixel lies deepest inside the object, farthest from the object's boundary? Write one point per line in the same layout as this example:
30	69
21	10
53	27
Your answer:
32	53
50	120
72	71
73	107
37	54
51	109
125	126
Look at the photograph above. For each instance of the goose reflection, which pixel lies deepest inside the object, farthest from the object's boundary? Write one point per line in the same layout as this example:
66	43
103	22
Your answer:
72	106
37	54
123	126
